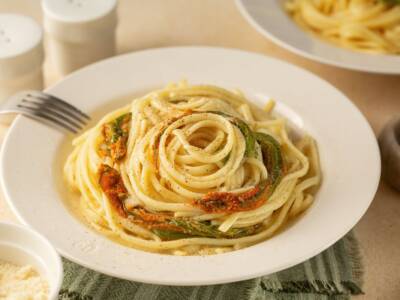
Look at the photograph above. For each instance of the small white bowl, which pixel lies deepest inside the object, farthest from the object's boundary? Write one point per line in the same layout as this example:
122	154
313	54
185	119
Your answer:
20	245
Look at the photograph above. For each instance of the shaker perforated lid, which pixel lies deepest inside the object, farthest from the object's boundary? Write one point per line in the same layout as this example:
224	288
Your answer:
77	11
79	21
21	47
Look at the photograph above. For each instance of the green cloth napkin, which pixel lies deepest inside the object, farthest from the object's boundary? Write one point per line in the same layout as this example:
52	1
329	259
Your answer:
334	274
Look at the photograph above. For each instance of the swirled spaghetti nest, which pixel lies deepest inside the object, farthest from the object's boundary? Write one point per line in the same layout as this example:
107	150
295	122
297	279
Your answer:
192	170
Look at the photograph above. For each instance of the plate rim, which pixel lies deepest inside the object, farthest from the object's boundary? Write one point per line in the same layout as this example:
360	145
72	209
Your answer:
228	278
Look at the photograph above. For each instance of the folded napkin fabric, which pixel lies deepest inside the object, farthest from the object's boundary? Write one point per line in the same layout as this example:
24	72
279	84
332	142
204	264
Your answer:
334	274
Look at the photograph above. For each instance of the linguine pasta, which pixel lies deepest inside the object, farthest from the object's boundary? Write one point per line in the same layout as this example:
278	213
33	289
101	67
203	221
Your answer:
371	26
192	170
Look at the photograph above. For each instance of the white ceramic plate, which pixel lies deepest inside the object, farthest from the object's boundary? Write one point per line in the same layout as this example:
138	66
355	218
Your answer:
33	155
270	19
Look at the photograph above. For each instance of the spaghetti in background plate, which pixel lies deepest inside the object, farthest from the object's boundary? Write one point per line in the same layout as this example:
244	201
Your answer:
355	34
371	26
271	154
192	170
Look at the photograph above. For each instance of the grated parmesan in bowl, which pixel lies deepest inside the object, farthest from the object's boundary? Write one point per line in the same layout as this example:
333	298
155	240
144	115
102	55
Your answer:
30	268
22	283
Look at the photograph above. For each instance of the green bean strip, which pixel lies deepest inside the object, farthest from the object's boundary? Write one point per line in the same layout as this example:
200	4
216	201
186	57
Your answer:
272	157
171	228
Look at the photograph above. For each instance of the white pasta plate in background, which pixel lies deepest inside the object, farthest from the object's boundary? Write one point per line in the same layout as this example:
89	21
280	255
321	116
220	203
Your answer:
33	157
270	19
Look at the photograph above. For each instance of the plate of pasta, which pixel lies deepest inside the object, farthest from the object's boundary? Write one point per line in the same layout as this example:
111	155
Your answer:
361	35
196	159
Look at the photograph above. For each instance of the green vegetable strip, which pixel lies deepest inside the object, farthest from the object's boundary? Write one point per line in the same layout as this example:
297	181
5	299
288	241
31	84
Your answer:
198	229
244	129
167	235
172	228
272	157
201	229
249	137
393	2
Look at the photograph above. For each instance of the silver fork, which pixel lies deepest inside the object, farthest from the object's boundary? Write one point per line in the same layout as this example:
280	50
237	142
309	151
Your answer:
47	109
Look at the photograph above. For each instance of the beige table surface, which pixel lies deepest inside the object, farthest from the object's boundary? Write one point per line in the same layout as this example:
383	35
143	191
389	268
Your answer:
157	23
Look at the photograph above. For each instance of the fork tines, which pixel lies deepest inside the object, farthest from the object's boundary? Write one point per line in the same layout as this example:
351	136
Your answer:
53	109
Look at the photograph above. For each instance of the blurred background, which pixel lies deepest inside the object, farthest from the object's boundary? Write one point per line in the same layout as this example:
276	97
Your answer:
157	23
